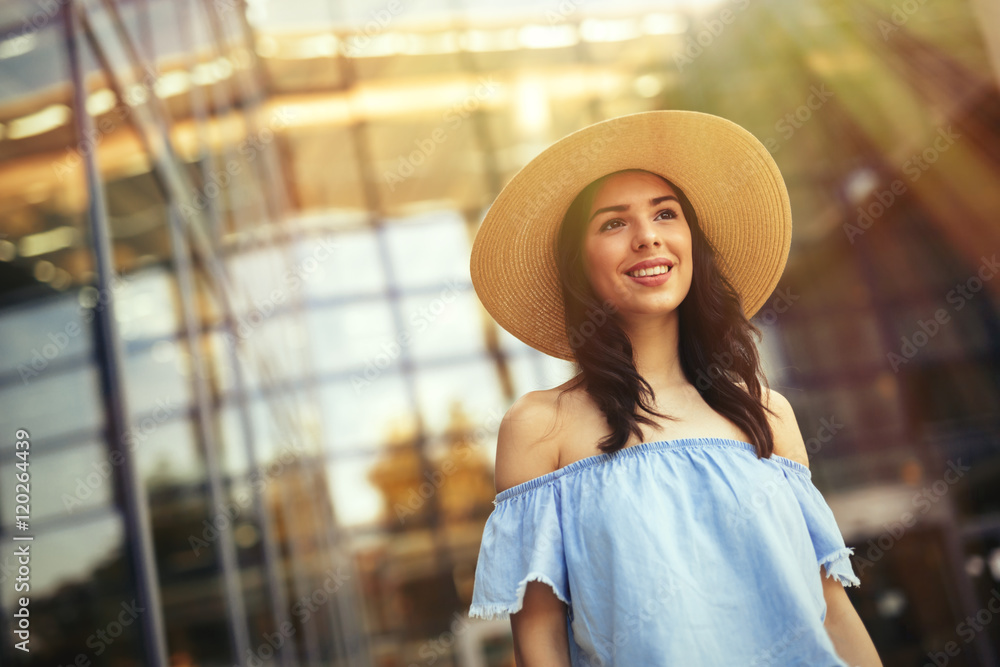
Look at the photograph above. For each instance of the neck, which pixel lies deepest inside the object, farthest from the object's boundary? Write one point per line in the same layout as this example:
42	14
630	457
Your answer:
656	349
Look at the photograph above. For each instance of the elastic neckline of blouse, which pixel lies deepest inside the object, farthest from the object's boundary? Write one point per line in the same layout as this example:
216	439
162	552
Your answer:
641	448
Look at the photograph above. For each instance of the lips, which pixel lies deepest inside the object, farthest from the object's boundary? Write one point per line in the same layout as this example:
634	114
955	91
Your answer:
650	264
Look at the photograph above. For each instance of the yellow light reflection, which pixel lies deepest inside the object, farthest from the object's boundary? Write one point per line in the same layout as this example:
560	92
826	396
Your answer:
172	83
101	101
39	122
547	37
608	30
664	24
11	48
531	106
48	241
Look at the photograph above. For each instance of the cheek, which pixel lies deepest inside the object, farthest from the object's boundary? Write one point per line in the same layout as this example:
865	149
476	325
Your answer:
586	263
688	242
592	262
603	272
601	253
597	275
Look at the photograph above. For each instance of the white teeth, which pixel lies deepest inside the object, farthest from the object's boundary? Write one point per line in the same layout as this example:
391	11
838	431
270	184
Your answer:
655	271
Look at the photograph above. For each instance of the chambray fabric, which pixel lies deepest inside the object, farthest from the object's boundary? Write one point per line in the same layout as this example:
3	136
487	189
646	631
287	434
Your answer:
686	552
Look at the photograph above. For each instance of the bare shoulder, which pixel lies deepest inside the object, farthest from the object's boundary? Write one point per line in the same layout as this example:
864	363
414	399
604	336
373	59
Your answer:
788	440
527	441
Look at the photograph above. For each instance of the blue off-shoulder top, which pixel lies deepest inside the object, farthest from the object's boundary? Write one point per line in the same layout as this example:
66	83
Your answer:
686	552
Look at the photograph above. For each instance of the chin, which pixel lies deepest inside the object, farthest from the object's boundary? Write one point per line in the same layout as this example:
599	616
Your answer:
648	308
627	299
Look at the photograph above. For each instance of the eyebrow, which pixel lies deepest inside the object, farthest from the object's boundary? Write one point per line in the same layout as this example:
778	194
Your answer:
624	207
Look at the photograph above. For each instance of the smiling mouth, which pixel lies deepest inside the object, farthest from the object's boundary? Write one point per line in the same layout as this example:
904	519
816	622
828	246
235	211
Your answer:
649	273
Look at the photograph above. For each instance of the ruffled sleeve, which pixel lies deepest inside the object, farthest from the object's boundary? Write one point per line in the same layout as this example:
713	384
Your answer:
827	539
522	542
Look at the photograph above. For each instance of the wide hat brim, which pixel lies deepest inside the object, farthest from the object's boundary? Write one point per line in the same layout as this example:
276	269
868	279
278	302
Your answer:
730	178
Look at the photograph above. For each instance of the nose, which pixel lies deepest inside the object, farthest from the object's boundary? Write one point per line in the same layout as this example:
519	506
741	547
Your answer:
646	235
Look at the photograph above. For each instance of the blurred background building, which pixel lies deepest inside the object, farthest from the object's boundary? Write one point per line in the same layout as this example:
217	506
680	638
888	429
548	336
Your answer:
236	316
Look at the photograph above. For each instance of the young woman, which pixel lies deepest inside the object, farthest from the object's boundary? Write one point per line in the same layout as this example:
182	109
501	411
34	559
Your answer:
639	248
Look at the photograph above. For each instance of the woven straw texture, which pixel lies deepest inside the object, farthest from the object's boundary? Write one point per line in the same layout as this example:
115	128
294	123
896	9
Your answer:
729	176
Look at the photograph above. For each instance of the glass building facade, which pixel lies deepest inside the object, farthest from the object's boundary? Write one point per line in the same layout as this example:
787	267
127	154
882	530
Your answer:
260	397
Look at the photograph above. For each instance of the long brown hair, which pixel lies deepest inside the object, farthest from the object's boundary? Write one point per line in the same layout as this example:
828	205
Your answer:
716	348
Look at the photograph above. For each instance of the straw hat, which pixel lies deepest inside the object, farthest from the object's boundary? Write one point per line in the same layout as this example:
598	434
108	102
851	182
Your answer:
727	174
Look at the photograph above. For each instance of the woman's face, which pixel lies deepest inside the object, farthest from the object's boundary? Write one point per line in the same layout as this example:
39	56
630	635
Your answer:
636	217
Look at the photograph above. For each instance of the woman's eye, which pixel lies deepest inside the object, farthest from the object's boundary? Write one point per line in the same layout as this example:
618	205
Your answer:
666	213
